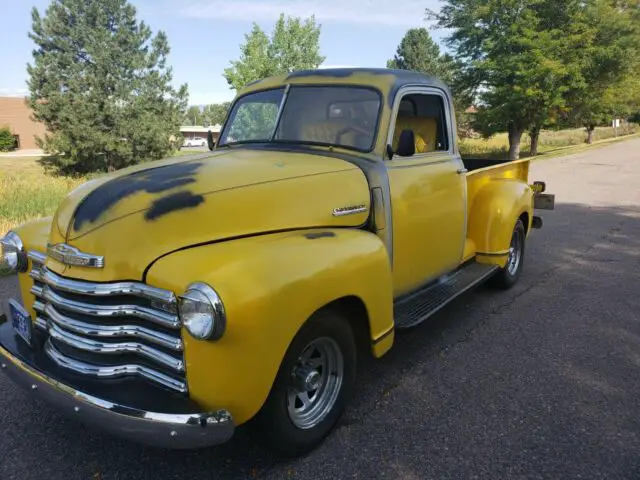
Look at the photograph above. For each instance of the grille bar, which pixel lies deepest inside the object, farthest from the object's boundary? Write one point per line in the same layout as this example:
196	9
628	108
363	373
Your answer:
166	320
117	371
103	289
95	346
108	331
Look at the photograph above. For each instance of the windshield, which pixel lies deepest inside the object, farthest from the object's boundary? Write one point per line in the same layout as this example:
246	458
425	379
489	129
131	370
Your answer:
332	115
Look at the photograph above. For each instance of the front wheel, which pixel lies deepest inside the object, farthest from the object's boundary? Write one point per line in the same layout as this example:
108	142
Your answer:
312	387
508	276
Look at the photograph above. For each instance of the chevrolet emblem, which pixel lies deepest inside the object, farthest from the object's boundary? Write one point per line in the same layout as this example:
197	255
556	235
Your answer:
68	255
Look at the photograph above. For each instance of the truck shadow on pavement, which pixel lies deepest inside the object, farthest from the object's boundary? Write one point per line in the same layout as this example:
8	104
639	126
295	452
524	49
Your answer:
561	347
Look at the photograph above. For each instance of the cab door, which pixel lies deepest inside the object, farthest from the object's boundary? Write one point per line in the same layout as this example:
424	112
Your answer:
428	193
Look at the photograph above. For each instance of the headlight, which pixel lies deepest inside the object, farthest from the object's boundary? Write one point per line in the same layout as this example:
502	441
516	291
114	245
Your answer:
202	312
12	253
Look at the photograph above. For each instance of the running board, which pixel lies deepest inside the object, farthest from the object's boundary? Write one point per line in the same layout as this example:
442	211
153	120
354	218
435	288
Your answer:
416	307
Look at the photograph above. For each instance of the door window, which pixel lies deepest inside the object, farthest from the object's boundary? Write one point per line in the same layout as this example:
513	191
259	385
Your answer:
423	119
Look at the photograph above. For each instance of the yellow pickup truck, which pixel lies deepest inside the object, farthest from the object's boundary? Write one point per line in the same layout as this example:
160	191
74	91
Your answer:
173	301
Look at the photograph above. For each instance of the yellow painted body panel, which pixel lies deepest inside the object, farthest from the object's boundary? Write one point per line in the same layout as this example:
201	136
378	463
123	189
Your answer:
34	236
245	193
270	286
428	211
497	196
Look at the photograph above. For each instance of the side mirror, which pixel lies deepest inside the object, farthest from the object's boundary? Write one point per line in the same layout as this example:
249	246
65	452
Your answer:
406	144
211	143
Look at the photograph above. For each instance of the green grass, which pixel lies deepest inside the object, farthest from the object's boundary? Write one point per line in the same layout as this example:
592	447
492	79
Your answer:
498	146
27	193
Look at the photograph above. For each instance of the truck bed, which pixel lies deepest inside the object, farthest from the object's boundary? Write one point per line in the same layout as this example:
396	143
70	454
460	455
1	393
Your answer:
472	164
481	171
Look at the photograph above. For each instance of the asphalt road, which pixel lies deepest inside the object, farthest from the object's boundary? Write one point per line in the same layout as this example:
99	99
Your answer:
542	381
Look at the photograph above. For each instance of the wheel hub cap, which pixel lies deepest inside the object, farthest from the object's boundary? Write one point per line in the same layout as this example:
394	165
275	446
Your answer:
316	381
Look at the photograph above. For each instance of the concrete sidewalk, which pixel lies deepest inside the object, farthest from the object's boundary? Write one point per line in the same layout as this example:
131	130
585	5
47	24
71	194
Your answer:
36	152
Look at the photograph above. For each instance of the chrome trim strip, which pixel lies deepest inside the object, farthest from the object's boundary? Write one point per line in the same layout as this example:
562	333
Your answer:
110	331
156	316
342	211
69	255
116	371
194	429
94	346
37	257
41	324
45	275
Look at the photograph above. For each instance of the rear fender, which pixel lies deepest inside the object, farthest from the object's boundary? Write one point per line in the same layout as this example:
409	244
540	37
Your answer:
270	285
493	214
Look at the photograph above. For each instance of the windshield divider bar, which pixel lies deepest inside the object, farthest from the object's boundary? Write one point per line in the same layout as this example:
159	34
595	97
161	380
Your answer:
280	109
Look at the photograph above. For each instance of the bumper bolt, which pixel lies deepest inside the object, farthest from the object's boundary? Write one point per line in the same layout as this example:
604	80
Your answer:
4	365
76	409
34	387
174	433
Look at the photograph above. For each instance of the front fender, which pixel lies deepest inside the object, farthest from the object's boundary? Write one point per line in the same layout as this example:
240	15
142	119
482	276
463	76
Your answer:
270	285
493	214
34	236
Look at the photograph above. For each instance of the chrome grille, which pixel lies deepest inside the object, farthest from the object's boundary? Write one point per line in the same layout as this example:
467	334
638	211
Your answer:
109	330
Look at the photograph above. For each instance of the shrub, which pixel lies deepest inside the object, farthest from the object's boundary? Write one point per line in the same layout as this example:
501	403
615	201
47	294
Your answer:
7	140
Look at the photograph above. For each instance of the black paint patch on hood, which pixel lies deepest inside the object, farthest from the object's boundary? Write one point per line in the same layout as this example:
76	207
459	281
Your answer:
154	180
173	202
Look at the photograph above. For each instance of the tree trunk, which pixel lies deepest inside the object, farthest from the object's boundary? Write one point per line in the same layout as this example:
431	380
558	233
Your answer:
590	130
535	137
515	135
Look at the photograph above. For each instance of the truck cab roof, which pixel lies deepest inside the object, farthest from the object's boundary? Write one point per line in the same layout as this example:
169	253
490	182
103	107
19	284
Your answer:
388	81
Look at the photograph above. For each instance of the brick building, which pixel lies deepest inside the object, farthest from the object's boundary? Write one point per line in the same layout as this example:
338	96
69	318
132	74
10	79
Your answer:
16	114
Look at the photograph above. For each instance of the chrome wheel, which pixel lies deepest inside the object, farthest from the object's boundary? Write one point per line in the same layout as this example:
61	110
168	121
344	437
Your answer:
316	380
515	253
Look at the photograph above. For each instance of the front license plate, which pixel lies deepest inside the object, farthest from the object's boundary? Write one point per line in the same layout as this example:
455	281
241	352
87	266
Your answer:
21	321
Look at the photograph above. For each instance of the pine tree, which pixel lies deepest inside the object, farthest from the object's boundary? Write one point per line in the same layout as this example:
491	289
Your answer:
100	83
419	53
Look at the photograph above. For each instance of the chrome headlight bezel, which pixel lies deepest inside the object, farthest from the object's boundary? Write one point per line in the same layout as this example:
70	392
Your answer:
13	254
208	324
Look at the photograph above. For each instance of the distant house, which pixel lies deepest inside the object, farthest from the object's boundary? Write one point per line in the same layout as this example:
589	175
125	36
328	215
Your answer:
191	132
16	114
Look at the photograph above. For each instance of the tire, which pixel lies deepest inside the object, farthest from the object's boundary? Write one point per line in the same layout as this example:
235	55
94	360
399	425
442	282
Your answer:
285	424
508	276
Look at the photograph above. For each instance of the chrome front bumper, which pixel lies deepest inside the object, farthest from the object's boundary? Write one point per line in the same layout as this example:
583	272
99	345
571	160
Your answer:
167	430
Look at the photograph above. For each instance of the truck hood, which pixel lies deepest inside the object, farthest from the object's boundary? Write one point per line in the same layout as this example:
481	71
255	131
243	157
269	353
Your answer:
140	213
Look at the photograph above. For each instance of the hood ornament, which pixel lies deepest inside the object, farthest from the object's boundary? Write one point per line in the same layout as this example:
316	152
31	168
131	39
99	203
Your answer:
68	255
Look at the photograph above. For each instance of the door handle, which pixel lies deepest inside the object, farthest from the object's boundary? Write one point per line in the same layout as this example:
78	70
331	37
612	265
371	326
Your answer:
462	171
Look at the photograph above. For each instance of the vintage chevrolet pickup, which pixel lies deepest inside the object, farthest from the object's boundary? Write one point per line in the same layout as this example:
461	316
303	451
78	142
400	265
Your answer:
173	301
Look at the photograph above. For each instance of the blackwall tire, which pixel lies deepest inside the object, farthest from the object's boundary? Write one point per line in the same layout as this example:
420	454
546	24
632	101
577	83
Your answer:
508	276
312	388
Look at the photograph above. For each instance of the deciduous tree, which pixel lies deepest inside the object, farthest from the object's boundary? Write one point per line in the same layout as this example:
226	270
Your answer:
512	58
100	83
216	113
609	61
294	45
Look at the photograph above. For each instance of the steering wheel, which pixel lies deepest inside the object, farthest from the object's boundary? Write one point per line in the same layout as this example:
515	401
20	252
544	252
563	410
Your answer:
350	128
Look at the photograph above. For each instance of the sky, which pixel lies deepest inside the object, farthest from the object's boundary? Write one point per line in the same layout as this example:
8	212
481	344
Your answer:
205	35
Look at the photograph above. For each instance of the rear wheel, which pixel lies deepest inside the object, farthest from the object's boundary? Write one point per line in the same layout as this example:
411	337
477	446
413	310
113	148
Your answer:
312	387
508	276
